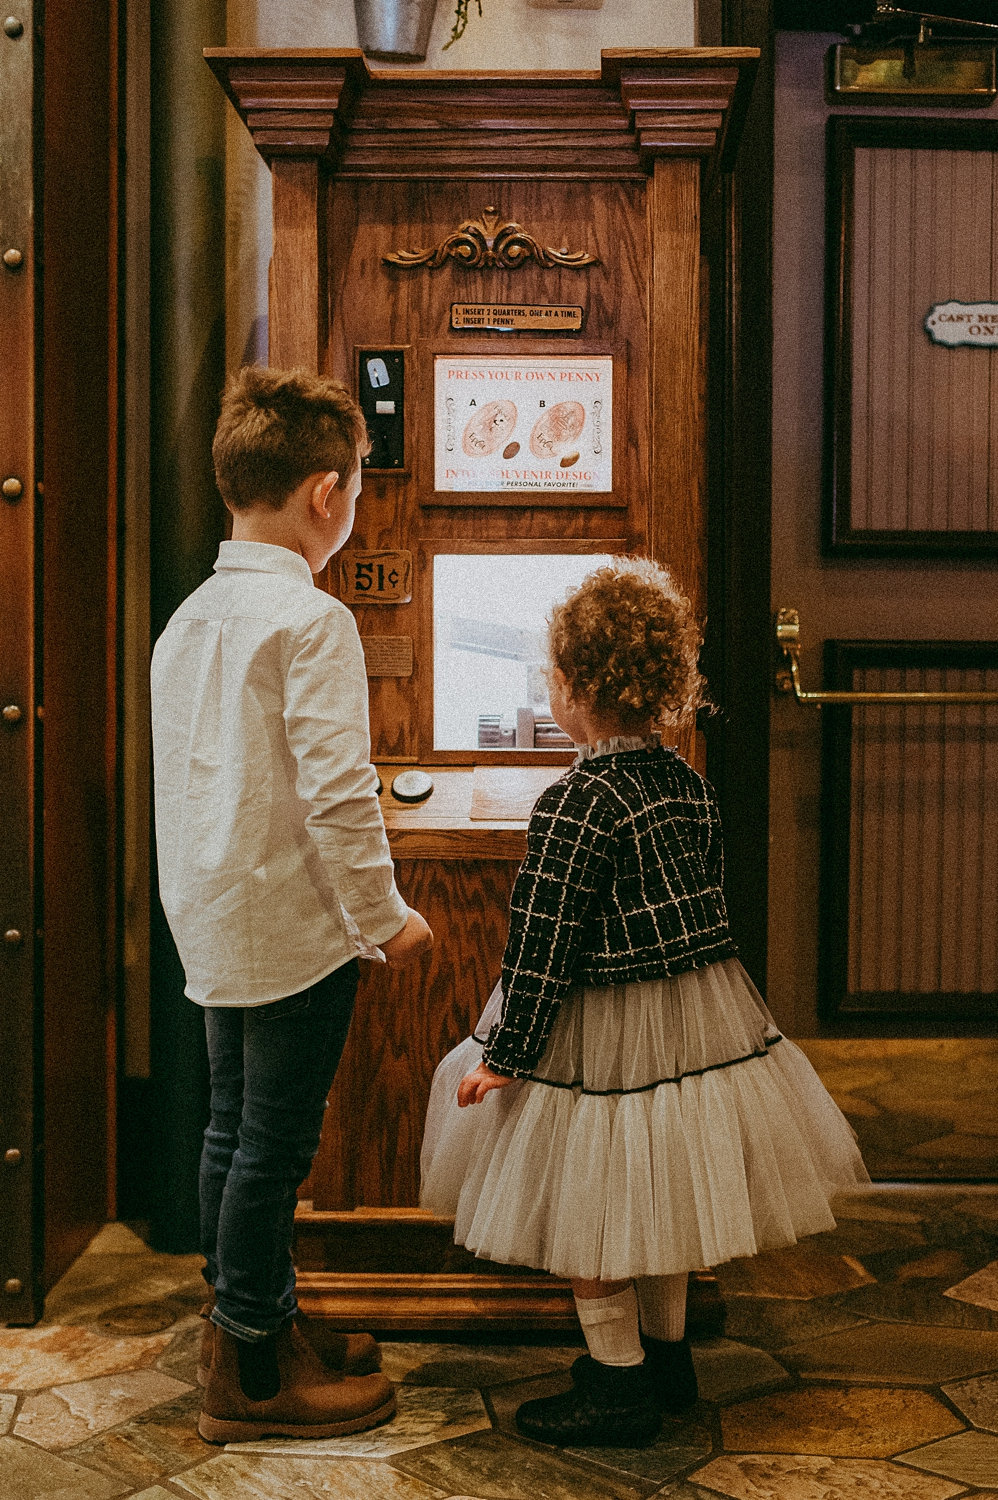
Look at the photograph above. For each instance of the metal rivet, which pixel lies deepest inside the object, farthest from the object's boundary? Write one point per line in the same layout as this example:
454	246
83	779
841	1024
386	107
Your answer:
13	1287
12	714
12	258
12	938
12	1158
13	27
12	488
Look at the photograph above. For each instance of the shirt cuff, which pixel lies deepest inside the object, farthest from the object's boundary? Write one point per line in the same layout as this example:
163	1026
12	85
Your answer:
383	921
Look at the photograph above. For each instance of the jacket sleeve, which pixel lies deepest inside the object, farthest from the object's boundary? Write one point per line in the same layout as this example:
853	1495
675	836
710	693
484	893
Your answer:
326	720
568	860
714	859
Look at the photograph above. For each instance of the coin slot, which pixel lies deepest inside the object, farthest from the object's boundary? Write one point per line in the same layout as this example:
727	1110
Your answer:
381	391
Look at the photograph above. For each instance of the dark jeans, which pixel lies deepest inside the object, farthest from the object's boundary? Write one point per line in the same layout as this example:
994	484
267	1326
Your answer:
271	1069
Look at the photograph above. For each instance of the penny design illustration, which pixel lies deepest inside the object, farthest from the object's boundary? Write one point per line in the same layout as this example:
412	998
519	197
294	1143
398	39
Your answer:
511	450
570	461
489	428
558	429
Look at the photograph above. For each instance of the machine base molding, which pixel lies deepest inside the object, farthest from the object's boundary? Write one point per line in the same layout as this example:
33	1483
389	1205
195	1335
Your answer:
515	1300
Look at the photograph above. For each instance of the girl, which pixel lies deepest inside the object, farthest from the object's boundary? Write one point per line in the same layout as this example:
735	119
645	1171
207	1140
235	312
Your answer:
639	1114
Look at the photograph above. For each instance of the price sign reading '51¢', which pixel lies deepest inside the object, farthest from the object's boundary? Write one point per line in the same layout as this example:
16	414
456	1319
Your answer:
375	577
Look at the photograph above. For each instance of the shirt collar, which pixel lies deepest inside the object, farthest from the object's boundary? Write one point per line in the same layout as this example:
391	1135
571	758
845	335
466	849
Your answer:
262	557
617	746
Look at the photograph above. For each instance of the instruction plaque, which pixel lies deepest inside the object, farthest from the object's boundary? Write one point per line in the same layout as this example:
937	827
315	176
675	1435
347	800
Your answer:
502	316
387	655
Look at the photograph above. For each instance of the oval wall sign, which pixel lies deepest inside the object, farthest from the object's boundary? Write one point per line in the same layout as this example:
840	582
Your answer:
955	323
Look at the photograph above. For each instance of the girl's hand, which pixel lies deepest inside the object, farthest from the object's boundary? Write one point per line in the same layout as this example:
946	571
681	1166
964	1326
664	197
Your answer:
474	1086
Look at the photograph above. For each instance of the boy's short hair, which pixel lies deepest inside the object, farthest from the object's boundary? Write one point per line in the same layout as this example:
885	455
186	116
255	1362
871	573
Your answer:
279	426
627	641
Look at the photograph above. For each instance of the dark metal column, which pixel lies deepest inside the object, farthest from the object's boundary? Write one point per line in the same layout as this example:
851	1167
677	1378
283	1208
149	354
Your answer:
187	373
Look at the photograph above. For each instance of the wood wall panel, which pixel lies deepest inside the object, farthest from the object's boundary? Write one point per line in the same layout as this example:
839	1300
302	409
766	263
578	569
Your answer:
403	1025
909	898
298	301
919	442
678	522
923	877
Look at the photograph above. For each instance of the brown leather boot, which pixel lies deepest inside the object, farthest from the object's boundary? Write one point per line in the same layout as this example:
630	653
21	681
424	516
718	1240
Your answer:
343	1353
349	1353
310	1400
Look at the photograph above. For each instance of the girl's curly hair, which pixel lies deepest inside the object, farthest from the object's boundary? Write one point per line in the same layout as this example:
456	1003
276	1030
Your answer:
627	641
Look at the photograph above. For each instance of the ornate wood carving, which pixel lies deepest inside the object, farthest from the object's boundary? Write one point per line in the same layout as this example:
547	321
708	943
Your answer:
486	242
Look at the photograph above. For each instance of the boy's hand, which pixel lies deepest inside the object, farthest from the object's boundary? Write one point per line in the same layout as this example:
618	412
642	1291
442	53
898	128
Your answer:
411	943
474	1086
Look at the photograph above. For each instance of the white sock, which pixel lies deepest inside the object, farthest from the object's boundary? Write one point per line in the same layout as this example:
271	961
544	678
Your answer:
662	1304
610	1325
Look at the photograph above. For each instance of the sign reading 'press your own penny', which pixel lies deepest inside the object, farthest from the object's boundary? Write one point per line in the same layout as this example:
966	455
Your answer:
376	577
537	422
504	316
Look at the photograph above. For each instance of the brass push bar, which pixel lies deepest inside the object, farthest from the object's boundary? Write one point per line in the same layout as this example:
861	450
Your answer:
788	676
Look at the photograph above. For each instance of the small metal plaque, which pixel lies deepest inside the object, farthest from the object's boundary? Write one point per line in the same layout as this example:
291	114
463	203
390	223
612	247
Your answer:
387	655
505	316
375	577
943	73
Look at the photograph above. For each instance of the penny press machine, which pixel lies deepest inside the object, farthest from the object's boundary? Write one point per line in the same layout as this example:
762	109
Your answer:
506	269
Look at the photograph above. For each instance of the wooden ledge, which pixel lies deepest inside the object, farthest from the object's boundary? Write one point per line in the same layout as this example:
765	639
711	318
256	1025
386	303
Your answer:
408	1303
328	104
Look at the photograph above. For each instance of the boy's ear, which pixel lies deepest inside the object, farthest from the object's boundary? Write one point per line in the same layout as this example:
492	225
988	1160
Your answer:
321	489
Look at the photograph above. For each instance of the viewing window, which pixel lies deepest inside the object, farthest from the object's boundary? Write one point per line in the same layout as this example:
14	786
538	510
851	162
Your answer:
490	647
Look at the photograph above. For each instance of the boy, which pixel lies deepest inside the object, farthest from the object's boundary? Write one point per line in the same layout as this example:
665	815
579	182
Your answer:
275	874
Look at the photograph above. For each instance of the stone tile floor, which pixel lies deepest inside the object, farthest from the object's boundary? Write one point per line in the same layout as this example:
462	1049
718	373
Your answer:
923	1108
861	1365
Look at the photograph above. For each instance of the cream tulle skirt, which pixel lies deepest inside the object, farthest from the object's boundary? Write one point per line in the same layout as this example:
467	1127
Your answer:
668	1126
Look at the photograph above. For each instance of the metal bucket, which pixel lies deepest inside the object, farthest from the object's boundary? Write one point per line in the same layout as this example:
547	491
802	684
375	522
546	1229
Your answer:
395	29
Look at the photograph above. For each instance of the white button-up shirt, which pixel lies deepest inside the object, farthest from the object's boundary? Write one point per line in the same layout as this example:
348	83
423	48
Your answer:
274	866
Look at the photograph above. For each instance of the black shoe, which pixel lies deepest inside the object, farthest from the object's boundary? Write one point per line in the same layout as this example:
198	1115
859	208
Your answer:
672	1378
609	1406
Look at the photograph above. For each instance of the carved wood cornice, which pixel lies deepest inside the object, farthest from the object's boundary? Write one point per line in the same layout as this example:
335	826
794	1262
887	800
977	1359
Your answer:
293	103
610	125
682	105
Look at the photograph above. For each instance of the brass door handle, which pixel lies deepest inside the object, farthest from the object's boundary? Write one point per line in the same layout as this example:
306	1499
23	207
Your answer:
787	679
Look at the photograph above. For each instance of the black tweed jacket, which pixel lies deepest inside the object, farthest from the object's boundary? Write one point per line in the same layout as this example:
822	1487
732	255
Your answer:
622	880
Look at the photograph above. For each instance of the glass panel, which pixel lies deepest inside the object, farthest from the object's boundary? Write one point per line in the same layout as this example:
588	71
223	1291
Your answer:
490	646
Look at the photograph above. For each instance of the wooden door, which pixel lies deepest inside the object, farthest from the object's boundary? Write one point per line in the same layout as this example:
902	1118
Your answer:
884	953
399	204
57	549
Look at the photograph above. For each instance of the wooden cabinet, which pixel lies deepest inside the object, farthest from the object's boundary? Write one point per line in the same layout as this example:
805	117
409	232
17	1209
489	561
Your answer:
398	198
